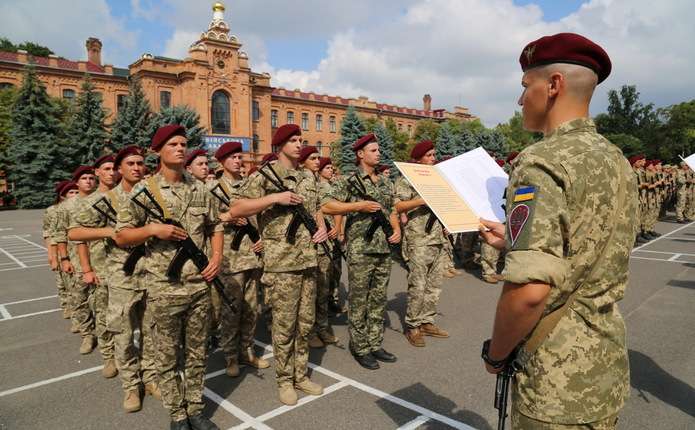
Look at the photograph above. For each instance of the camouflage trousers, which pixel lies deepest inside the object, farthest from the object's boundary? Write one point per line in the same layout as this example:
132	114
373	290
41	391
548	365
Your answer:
643	211
237	329
294	302
522	422
489	256
652	213
62	282
368	278
323	292
128	312
466	247
336	273
681	204
81	303
101	307
449	262
181	325
425	273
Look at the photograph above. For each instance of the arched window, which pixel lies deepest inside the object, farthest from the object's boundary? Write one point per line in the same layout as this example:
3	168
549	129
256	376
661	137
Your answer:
221	114
5	85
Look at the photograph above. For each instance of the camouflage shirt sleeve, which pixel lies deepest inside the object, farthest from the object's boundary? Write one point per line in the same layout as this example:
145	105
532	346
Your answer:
403	191
537	224
254	188
130	215
339	191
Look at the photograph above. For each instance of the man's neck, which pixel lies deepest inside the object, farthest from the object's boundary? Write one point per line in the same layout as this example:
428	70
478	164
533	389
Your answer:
103	187
171	174
84	193
559	115
232	176
127	185
286	161
369	170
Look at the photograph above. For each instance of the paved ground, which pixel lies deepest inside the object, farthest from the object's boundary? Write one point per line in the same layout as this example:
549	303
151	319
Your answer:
46	383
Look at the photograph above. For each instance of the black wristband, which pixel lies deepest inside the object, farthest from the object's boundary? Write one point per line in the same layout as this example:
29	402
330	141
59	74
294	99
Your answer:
486	358
66	258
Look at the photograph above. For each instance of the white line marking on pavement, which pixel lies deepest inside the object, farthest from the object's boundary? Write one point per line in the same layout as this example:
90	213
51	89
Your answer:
22	268
412	425
6	229
50	381
5	313
663	236
688	239
31	243
664	252
674	257
14	236
656	259
229	407
28	300
12	257
30	315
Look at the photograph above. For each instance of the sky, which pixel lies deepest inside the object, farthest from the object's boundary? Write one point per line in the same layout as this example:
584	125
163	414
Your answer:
462	52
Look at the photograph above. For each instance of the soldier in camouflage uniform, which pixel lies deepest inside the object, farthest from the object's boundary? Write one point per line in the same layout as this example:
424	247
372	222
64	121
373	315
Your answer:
682	192
638	162
571	222
369	262
197	164
80	291
322	334
180	309
88	227
326	176
288	268
50	220
653	184
241	269
426	254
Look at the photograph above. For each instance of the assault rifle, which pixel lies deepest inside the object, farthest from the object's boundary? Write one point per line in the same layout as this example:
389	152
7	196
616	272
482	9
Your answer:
105	208
241	231
504	378
430	225
188	250
379	219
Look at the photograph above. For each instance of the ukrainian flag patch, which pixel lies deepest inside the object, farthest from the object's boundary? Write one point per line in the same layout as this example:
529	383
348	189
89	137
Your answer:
524	194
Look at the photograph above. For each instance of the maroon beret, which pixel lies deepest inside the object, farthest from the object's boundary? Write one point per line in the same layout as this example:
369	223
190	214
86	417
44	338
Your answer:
193	154
267	158
323	162
568	48
421	149
500	162
70	185
82	170
363	141
59	186
165	133
108	158
284	133
227	148
512	155
125	153
635	158
306	152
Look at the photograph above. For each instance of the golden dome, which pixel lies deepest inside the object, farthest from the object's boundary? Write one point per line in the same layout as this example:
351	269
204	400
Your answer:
218	7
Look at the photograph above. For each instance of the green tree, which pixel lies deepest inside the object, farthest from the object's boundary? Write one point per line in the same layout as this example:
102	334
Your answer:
426	129
133	123
350	130
679	129
400	140
33	162
492	141
516	138
7	97
385	146
630	145
448	142
32	48
182	115
87	132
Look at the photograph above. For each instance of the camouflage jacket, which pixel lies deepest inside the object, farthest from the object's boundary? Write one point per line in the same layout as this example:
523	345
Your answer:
189	203
50	217
278	254
358	223
415	230
67	211
244	258
87	216
561	209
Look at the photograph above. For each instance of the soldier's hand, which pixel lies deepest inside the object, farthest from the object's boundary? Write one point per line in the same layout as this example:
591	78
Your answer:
168	232
212	269
369	206
395	237
66	267
403	218
257	247
288	198
226	217
90	278
53	263
492	370
333	233
240	222
492	233
320	236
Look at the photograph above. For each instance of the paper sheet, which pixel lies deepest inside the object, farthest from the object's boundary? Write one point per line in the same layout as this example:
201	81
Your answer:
690	161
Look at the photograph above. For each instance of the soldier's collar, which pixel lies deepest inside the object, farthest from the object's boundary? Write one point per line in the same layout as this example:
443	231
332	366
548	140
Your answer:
578	124
186	178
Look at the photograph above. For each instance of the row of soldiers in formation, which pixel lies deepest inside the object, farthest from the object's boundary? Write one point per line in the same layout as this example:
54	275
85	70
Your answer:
662	188
279	232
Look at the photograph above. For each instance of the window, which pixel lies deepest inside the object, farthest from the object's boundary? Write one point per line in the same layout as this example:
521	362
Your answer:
410	130
305	143
305	121
69	94
256	110
400	126
220	112
319	122
319	146
164	99
120	101
274	118
255	143
331	124
290	117
5	85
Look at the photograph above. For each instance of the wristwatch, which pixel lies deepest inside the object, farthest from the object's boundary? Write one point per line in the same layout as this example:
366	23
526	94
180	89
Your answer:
486	358
66	258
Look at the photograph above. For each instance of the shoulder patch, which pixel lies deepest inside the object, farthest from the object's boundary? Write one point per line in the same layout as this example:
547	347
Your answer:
524	194
517	220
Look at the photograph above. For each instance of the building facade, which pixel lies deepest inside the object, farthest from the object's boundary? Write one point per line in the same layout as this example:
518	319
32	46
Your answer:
215	79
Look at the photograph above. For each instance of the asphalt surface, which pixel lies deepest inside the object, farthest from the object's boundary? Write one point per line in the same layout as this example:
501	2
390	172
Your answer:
46	383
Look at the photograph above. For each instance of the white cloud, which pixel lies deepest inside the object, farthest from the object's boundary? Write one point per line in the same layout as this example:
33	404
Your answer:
178	44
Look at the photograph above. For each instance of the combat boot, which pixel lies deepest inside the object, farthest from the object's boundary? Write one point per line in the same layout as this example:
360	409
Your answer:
199	422
315	341
311	388
109	370
248	358
491	279
87	345
367	361
287	395
152	388
414	336
179	425
455	272
434	331
74	328
328	337
67	314
132	402
382	355
233	369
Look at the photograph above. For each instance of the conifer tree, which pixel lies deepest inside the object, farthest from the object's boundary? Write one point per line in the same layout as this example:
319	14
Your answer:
32	162
87	132
350	130
385	146
133	123
448	142
492	141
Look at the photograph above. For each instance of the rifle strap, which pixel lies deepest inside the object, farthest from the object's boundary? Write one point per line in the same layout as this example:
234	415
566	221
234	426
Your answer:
113	199
550	321
225	189
157	194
